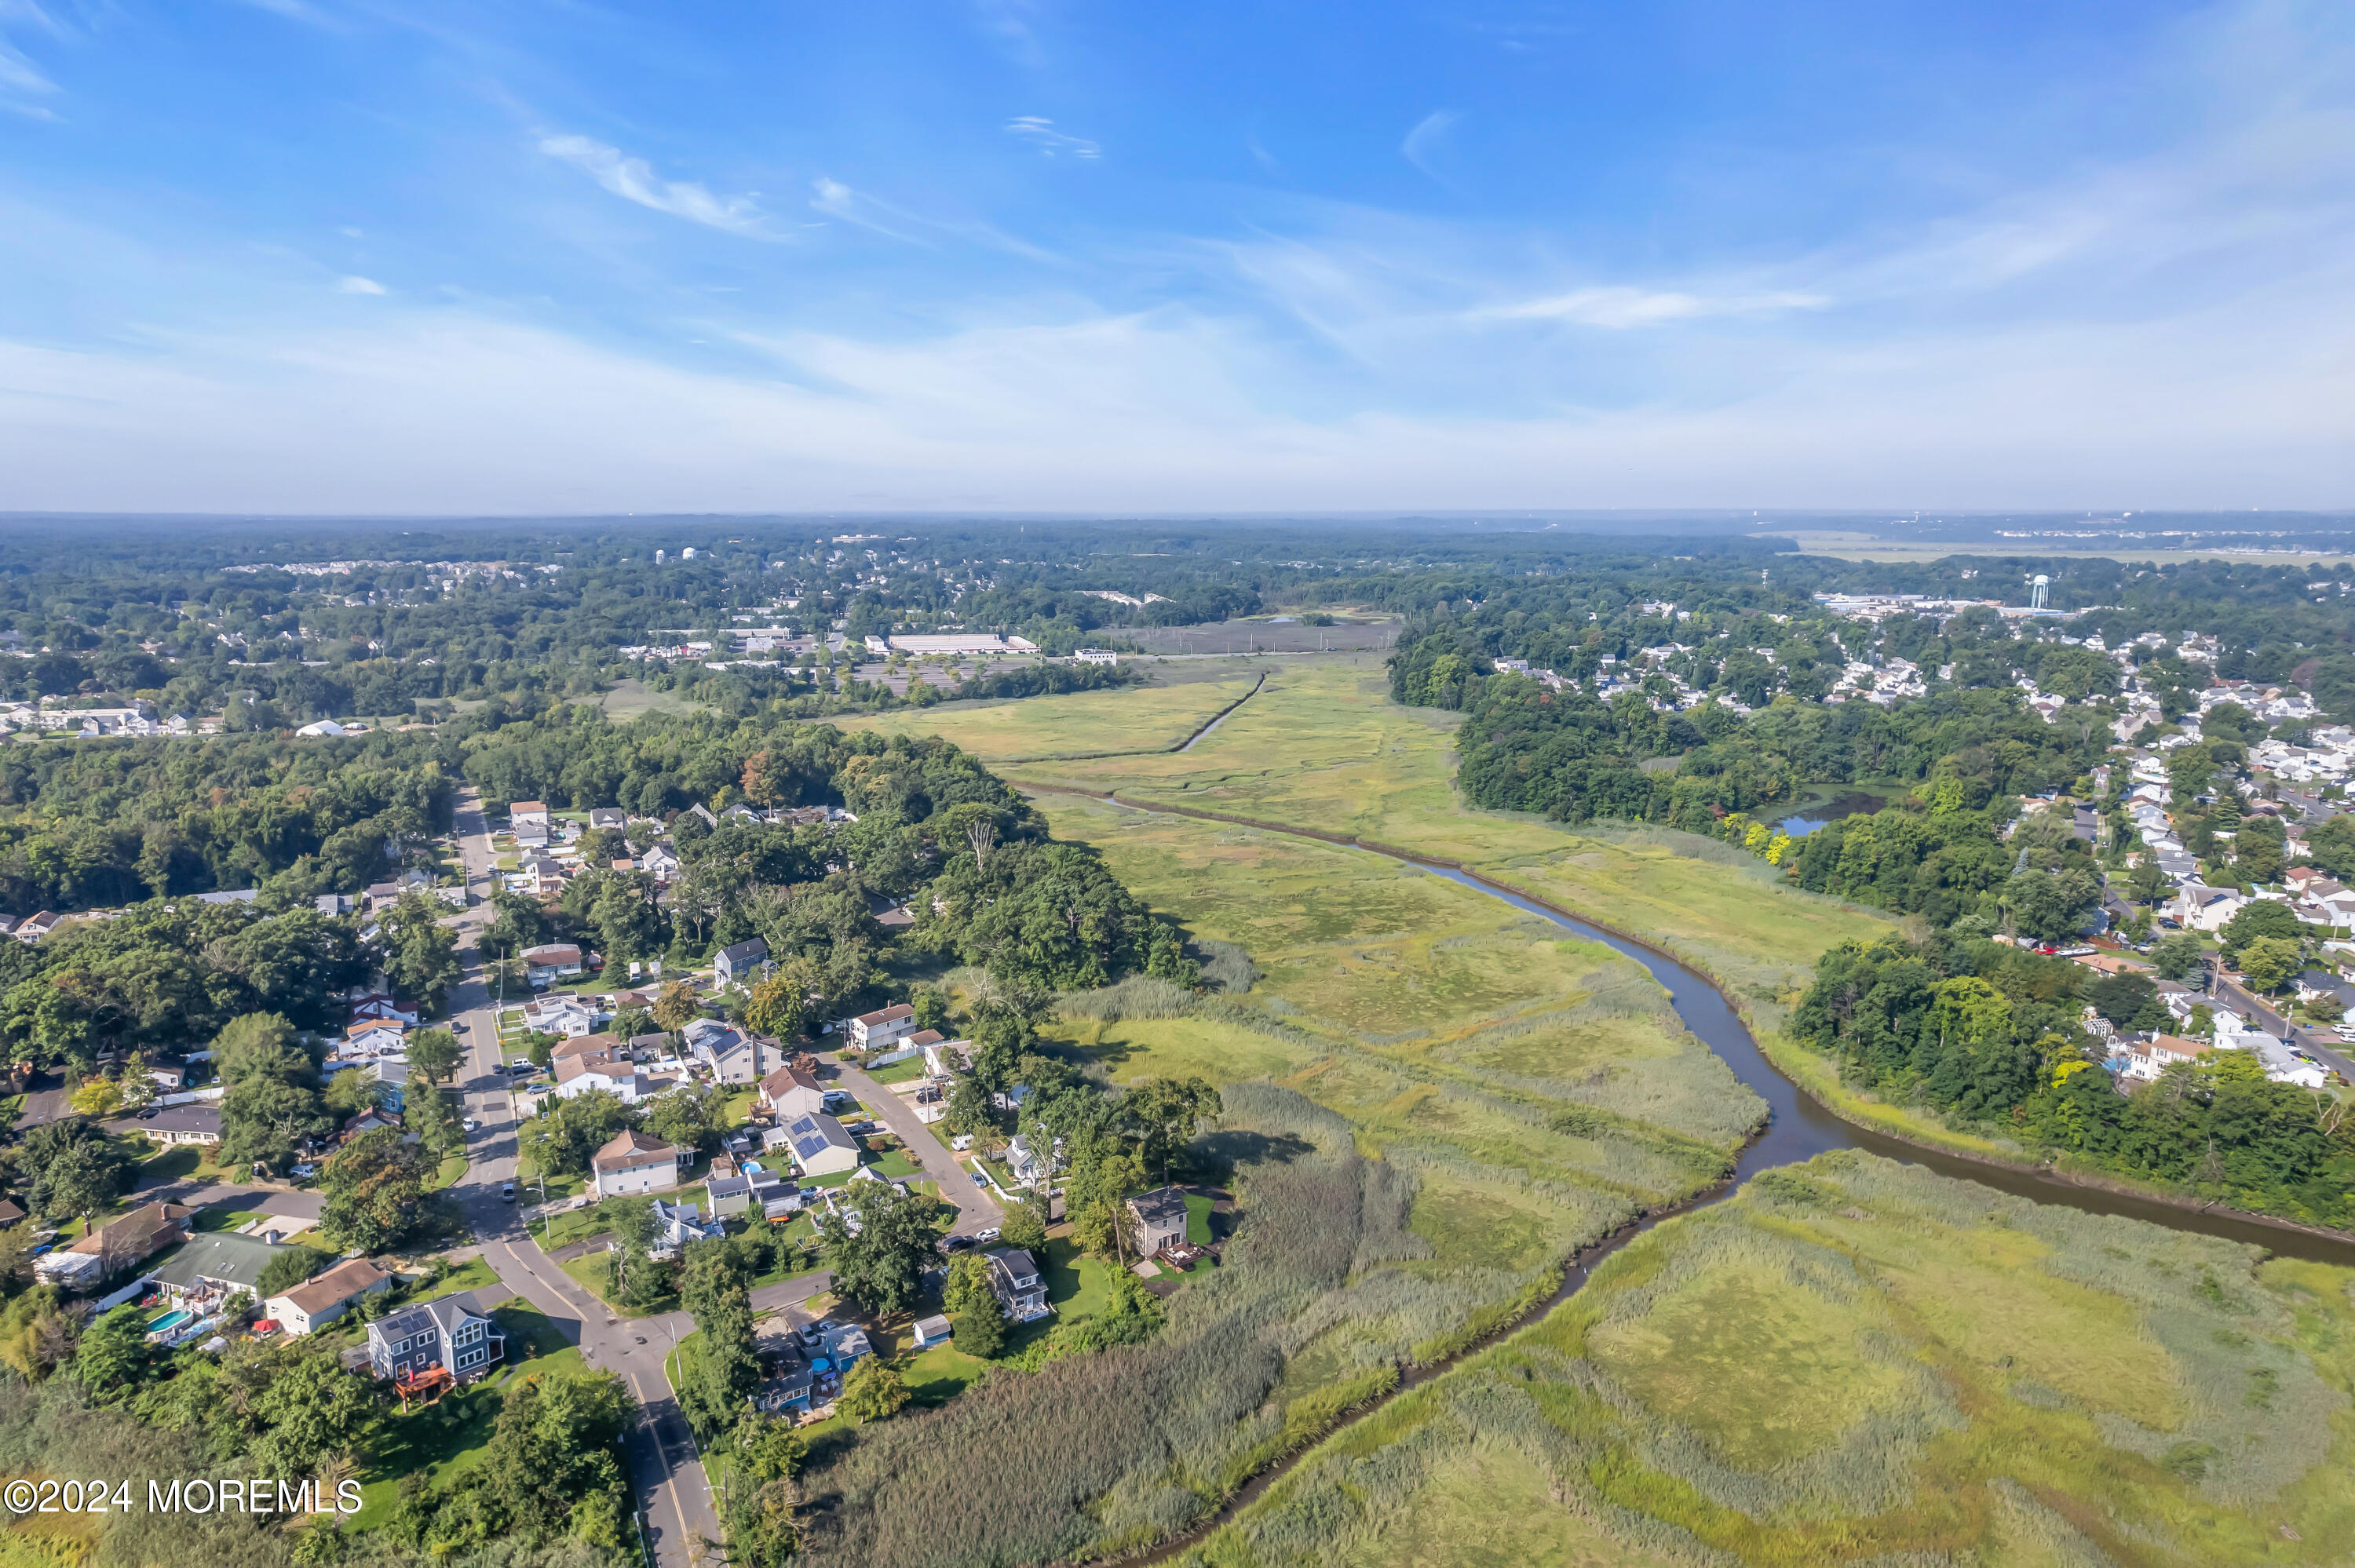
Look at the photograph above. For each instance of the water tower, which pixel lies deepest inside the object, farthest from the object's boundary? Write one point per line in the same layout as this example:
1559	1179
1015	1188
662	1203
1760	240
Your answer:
2039	592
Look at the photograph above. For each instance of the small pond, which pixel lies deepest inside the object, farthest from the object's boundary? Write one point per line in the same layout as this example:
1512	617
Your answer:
1815	814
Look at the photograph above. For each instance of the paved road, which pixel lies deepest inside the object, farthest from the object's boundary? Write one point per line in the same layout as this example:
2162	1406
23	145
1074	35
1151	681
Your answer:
2322	1045
974	1206
43	1104
205	1194
673	1495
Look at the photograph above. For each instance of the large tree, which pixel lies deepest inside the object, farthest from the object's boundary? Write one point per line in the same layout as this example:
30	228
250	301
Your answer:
880	1267
435	1053
967	1297
376	1192
418	954
726	1371
1164	1112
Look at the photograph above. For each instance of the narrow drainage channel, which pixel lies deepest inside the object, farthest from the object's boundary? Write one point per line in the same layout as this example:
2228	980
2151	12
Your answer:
1221	717
1799	1127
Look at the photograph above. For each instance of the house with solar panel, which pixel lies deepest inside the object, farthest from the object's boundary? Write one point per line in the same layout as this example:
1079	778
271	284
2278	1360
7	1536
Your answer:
820	1147
436	1342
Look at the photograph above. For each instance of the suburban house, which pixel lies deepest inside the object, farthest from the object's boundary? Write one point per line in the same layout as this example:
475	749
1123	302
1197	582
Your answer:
135	1238
528	813
10	1213
566	1016
449	1337
366	1122
608	818
732	1055
1160	1219
1023	1161
742	962
217	1264
791	1091
675	1224
880	1029
33	927
948	1058
660	862
613	1072
1022	1290
392	1085
549	962
2201	908
323	1298
2146	1059
820	1146
380	1007
582	1046
176	1125
377	1037
787	1379
634	1162
727	1195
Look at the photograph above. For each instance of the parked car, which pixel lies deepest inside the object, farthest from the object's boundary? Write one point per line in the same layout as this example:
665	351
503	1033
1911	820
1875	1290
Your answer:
961	1142
471	1125
149	1113
983	1237
507	1190
979	1180
956	1243
521	1067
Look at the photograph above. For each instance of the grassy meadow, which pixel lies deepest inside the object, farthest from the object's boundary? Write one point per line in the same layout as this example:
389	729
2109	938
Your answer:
1078	724
1323	747
1852	1360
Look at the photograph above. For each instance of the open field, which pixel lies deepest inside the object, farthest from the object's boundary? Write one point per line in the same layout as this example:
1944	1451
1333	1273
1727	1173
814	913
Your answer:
1323	747
1080	724
1857	1360
1531	1091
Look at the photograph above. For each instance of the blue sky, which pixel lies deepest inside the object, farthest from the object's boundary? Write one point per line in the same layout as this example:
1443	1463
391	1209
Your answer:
378	255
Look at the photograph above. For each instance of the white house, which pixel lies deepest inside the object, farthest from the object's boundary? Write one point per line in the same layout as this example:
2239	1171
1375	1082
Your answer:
567	1017
2146	1059
323	1298
819	1145
2202	908
551	962
791	1092
884	1027
528	813
634	1162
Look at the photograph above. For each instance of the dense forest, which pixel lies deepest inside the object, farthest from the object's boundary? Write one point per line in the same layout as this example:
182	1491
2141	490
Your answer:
91	825
1992	1035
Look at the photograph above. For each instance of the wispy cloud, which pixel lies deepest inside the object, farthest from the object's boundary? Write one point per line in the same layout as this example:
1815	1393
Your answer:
1618	309
1051	143
1424	141
23	85
837	200
634	179
358	285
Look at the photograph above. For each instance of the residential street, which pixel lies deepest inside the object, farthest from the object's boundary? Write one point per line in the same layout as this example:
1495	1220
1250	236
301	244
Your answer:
673	1495
2324	1047
976	1210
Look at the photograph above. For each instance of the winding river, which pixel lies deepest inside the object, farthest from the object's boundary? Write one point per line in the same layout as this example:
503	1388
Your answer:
1799	1127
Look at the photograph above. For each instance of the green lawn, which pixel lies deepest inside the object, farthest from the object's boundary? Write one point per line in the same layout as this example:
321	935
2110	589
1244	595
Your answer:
454	1435
588	1271
1136	718
1078	1286
937	1375
899	1071
895	1162
1198	1219
220	1219
447	1173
